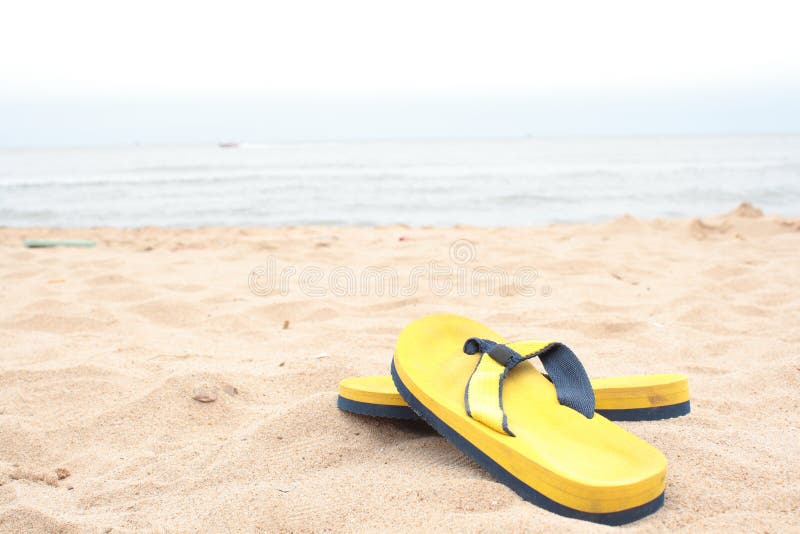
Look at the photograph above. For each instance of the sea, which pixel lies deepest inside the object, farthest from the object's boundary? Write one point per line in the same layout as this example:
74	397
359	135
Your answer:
499	182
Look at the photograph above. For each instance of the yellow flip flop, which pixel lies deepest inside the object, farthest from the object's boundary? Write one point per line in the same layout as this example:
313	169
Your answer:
619	398
540	438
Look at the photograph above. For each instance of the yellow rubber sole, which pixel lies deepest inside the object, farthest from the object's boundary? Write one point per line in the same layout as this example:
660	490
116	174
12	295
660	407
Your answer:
586	468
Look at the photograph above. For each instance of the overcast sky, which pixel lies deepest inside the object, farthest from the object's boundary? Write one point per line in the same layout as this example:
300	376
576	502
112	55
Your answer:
110	72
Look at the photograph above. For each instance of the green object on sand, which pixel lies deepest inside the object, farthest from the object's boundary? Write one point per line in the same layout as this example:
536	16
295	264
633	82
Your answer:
39	243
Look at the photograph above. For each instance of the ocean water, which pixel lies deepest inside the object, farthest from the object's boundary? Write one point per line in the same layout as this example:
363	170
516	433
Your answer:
480	182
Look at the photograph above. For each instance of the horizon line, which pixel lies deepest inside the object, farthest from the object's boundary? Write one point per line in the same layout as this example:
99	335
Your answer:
401	139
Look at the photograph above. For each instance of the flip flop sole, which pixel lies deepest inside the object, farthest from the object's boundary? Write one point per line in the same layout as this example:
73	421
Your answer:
375	410
648	414
622	398
404	412
620	517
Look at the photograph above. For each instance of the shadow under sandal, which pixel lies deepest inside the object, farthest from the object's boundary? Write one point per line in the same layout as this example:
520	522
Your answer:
541	438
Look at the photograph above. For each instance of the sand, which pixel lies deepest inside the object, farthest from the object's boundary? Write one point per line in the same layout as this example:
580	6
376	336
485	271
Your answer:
102	351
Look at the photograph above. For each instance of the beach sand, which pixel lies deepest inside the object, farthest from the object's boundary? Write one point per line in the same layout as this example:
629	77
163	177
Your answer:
103	349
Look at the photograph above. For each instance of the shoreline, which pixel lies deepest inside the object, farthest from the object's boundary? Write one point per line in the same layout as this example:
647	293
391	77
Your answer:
744	211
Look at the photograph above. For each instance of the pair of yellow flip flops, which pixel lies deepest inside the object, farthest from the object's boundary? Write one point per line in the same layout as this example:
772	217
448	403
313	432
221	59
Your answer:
548	437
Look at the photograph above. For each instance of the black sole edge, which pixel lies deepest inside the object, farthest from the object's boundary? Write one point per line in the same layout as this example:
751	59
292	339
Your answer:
523	490
648	414
375	410
657	413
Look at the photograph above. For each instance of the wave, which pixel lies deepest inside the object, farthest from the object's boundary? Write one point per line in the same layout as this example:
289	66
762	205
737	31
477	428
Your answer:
420	184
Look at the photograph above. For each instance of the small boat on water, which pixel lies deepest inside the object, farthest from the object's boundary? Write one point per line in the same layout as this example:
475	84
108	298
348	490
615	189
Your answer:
231	144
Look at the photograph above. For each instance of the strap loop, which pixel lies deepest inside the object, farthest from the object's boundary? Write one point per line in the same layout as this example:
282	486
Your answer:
502	354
